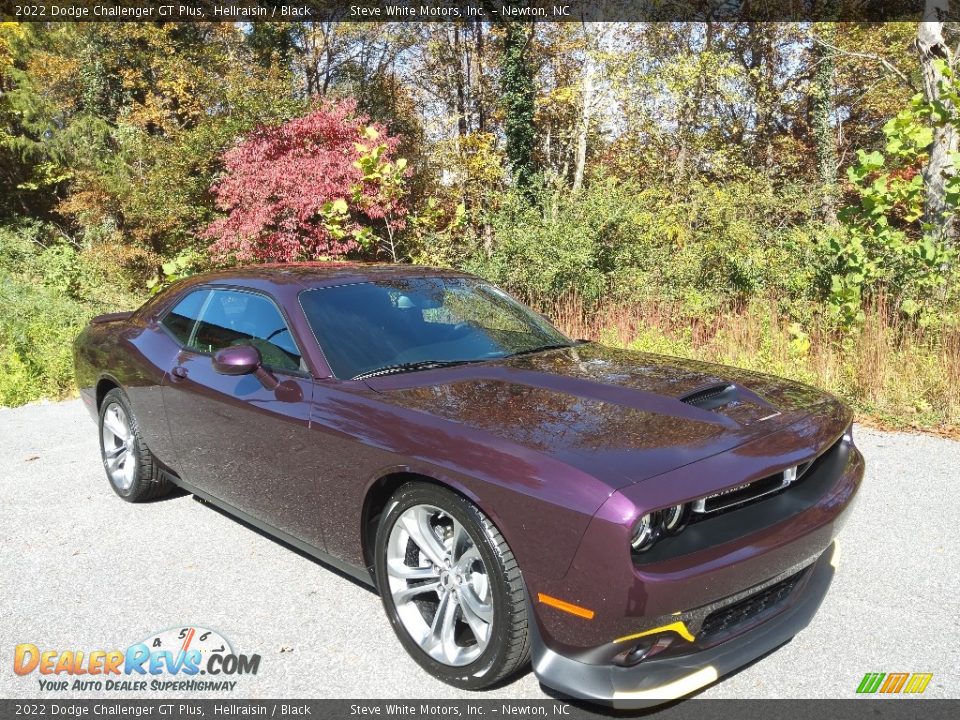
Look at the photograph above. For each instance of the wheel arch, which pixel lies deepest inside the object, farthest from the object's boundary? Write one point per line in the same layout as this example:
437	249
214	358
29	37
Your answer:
104	385
378	494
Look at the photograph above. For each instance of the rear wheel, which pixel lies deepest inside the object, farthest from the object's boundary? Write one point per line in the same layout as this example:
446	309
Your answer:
451	587
130	467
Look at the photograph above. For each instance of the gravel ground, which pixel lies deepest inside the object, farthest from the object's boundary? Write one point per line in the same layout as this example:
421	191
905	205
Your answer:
81	569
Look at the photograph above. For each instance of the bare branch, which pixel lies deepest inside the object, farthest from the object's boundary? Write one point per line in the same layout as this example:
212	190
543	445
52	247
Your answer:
887	65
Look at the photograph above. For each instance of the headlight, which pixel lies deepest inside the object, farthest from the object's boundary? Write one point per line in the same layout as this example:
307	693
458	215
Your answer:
645	533
674	519
652	526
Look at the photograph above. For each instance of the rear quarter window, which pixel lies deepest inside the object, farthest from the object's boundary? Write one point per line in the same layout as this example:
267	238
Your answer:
181	319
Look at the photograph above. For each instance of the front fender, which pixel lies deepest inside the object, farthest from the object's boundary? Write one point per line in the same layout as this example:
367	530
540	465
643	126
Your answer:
540	505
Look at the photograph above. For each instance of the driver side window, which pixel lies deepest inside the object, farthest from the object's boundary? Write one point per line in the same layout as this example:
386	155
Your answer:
233	317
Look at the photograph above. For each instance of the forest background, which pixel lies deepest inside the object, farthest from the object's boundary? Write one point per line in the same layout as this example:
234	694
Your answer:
779	196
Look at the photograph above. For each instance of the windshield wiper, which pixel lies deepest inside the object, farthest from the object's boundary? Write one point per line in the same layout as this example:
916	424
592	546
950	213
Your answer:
411	367
544	348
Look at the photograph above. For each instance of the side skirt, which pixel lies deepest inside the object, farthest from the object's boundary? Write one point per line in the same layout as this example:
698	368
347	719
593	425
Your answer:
362	575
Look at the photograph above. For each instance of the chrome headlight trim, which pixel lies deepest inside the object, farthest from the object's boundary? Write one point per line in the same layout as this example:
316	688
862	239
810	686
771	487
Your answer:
645	532
674	519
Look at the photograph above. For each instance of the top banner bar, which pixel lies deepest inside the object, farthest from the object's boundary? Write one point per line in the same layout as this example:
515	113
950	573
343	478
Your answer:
411	11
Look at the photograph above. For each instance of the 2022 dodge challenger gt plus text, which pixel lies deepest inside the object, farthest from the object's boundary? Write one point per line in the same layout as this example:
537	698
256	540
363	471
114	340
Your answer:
635	525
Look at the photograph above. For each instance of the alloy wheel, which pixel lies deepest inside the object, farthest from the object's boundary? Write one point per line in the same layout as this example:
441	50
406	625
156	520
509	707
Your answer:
119	447
440	585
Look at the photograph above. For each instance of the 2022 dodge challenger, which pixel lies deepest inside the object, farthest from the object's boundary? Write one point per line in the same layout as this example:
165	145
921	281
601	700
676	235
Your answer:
636	525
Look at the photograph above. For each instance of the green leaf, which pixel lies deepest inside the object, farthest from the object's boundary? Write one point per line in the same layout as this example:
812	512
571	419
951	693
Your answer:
909	307
872	160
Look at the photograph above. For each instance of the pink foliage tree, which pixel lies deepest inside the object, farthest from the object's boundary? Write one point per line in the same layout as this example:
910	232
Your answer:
307	189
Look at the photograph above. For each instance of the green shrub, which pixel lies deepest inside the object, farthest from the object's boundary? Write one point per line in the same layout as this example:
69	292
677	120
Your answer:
37	328
49	289
885	248
708	246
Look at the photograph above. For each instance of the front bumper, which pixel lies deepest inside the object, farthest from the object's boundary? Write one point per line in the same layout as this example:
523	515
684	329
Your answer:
660	680
721	593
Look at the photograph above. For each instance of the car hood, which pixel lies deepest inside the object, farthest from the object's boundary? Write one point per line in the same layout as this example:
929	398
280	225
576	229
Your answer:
619	415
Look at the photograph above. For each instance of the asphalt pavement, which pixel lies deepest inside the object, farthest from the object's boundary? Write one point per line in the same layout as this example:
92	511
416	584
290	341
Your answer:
81	569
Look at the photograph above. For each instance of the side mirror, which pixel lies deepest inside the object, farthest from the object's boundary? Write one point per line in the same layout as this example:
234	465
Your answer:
237	360
243	360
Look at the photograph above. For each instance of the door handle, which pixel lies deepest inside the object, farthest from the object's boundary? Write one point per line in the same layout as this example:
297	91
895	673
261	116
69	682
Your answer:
179	373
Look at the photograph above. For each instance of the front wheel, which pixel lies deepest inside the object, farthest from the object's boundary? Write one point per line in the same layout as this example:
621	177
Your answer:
451	587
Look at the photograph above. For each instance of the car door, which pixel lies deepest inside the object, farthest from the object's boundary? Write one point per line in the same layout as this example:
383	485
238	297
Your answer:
245	444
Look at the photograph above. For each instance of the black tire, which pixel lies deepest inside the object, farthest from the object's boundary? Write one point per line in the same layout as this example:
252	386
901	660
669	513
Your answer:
508	643
147	482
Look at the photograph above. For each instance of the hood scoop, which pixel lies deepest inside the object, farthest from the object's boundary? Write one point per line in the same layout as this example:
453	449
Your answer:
712	397
732	401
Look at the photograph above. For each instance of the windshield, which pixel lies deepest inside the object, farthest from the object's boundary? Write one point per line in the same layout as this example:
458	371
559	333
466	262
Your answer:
371	326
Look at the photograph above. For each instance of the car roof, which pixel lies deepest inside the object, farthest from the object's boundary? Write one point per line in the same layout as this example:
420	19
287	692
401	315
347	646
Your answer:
319	274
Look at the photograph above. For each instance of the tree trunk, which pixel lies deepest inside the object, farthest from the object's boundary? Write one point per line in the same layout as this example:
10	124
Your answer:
689	111
939	168
479	96
586	110
460	83
519	104
767	95
821	92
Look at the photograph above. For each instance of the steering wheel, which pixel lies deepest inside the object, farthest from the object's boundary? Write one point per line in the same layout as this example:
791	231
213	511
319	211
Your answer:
276	332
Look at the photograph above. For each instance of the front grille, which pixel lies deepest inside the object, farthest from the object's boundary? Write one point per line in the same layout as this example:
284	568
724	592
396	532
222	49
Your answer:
751	492
749	609
741	494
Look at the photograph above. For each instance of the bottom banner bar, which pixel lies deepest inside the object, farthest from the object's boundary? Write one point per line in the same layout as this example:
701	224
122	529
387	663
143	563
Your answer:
694	709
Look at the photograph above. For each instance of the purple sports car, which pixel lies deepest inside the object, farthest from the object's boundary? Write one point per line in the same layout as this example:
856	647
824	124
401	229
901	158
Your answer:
635	525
